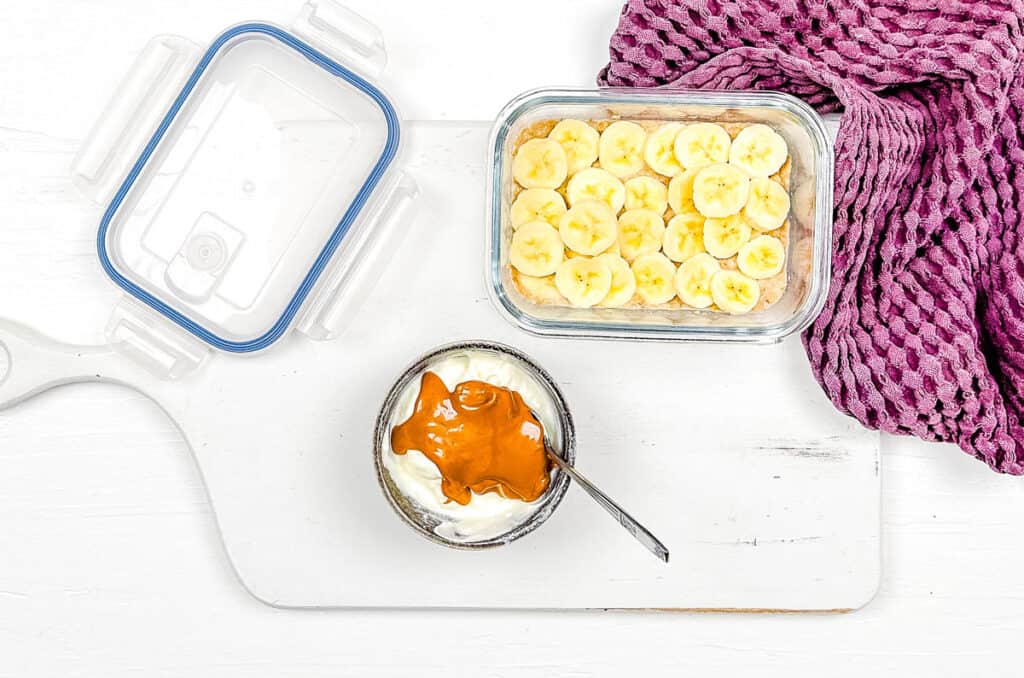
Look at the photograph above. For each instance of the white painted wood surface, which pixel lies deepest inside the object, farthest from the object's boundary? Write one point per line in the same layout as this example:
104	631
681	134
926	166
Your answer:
110	563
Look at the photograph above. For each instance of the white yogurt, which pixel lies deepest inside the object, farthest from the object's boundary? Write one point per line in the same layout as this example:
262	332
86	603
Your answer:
486	515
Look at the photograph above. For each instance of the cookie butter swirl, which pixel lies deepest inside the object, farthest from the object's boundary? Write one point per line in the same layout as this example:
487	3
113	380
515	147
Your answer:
482	438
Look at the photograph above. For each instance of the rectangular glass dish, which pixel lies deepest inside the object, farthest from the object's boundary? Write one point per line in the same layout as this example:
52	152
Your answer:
808	233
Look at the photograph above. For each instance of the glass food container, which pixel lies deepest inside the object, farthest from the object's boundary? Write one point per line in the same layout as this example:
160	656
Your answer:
810	220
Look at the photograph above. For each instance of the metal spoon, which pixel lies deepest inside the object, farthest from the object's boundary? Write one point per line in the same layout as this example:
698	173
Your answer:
639	532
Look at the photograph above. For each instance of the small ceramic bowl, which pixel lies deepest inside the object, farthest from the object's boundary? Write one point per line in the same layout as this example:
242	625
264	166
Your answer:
561	436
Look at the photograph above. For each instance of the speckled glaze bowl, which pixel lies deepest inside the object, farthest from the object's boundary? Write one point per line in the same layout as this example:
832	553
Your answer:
562	440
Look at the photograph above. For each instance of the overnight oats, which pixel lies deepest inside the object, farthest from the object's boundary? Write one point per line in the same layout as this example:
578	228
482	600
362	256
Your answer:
639	219
645	213
460	445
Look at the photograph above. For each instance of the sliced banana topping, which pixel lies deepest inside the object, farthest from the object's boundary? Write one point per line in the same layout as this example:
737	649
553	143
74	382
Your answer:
579	141
734	292
693	280
540	163
684	237
768	205
701	144
720	190
594	183
588	227
623	281
762	257
621	148
540	290
680	192
646	193
532	204
583	281
640	232
536	249
724	237
589	223
655	278
758	150
660	151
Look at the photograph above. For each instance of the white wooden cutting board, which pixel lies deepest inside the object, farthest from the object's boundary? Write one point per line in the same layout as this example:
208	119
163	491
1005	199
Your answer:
767	497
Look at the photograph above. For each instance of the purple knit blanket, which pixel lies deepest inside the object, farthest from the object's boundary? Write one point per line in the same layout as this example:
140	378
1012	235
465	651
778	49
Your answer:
923	330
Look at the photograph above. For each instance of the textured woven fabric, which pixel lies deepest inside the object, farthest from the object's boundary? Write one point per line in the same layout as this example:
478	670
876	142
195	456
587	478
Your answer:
923	329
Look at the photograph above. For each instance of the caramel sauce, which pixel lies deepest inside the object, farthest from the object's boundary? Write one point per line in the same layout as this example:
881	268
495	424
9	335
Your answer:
482	438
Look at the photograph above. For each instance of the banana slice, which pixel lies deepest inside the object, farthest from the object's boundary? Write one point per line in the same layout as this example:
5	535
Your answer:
621	148
655	278
532	204
762	257
614	247
588	227
646	193
659	151
684	237
640	232
623	281
579	141
720	190
583	281
536	249
540	163
595	183
539	290
734	292
724	237
693	280
680	192
768	204
758	150
701	144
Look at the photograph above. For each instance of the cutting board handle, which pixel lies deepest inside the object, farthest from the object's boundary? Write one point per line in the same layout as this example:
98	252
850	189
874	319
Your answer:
31	363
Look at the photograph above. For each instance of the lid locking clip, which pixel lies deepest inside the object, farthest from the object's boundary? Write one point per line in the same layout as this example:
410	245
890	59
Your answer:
163	349
343	35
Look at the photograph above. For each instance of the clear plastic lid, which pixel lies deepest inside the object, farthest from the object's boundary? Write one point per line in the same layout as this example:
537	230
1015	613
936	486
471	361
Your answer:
251	181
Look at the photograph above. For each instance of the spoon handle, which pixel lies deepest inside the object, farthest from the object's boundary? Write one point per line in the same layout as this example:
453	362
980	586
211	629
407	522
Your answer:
639	532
